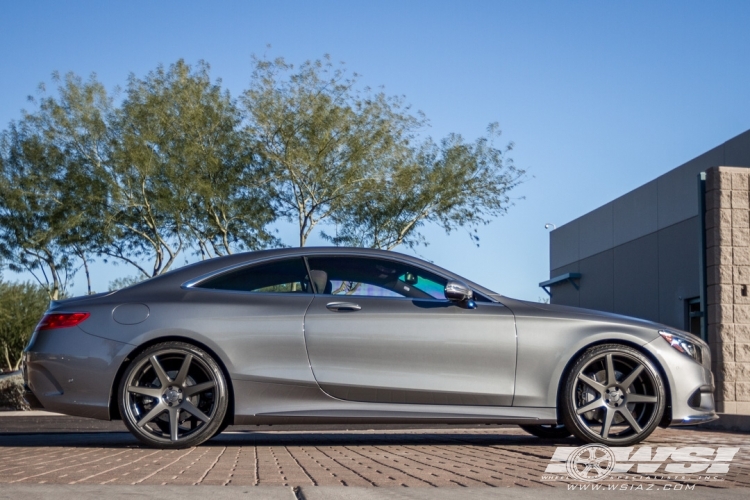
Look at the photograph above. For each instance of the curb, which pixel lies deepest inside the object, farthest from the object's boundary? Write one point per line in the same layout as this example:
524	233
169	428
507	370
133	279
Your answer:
34	413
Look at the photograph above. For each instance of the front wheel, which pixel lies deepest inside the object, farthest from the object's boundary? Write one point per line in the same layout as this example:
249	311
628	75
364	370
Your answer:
614	395
173	395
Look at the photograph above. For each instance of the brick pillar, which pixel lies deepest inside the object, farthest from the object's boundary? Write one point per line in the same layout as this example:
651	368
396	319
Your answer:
728	281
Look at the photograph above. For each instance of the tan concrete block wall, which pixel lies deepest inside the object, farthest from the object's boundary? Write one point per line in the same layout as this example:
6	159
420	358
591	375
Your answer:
728	277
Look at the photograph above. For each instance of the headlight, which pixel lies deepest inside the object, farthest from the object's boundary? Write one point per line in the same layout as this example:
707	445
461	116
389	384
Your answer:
684	344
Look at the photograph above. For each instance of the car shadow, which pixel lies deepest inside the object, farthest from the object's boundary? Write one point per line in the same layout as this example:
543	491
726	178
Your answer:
313	438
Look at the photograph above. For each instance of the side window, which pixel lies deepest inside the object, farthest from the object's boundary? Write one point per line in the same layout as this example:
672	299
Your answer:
286	276
431	287
362	276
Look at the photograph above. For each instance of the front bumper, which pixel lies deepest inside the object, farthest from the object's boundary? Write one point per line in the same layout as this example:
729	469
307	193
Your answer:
691	386
695	420
70	371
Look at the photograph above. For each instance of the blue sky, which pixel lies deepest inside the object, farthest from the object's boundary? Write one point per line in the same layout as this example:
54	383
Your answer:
598	96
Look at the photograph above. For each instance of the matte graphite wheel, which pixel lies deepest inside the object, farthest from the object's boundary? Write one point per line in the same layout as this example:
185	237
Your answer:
614	395
173	395
547	431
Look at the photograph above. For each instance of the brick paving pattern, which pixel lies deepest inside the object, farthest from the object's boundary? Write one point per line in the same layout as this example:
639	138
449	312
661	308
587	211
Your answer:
496	457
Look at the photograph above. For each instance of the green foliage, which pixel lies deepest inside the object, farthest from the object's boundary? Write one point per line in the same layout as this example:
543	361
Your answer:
38	217
184	174
21	307
321	139
350	157
453	184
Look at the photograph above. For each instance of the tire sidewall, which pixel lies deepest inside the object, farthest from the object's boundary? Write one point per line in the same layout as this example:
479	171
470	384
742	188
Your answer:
222	399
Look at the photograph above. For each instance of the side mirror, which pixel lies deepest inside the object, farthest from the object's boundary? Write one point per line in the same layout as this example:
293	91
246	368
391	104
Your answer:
455	291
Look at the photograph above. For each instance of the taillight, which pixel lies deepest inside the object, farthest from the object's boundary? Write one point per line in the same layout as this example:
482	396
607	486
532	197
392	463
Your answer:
52	321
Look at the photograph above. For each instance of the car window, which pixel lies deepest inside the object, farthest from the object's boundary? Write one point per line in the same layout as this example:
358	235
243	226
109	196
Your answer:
372	277
281	276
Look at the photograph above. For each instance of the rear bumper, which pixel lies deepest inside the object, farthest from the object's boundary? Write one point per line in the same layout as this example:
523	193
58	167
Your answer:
72	372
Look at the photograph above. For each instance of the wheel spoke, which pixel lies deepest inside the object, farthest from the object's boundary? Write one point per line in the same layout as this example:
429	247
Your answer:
631	420
155	412
190	408
174	423
191	390
609	415
631	378
179	380
145	391
163	377
611	376
598	403
592	383
641	398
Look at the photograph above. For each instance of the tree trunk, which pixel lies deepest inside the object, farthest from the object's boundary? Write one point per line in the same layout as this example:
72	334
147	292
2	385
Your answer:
7	357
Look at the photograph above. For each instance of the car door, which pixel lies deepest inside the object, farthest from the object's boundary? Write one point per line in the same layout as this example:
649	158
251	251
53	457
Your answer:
380	330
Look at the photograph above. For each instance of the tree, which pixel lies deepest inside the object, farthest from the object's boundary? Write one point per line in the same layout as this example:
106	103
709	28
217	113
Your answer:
21	307
165	171
353	158
319	138
453	184
36	221
180	173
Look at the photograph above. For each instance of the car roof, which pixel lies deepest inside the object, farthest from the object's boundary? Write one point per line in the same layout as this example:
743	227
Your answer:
202	269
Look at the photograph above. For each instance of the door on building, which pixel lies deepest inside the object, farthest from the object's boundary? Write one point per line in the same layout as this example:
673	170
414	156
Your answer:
693	316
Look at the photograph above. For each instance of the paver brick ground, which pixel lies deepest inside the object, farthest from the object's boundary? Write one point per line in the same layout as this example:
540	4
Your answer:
476	457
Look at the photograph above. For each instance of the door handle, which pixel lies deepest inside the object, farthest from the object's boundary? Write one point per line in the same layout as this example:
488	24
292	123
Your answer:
343	306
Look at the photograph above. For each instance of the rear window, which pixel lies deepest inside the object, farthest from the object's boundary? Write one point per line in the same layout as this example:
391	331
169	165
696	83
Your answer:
281	276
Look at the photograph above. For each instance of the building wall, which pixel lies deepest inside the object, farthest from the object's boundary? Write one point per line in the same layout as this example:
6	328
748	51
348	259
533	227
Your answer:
728	281
640	254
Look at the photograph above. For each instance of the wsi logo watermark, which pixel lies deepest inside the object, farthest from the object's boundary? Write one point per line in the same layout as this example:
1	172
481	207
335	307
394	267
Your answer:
595	462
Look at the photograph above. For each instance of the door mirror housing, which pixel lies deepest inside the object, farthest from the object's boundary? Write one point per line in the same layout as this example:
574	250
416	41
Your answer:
459	292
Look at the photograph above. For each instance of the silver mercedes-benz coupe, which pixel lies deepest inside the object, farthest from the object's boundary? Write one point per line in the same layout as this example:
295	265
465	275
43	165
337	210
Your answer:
333	335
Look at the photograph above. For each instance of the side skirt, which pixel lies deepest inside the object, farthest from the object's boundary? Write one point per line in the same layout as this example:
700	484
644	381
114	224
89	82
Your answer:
273	403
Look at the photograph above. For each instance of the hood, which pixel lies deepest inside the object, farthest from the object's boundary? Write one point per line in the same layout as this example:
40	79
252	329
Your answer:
526	308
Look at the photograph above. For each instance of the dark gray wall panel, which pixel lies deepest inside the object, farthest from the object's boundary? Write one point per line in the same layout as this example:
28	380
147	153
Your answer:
678	188
595	231
636	278
679	253
563	245
597	281
737	151
565	294
635	214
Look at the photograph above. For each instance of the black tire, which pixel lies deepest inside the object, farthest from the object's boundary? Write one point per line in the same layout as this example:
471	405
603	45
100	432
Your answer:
173	395
613	395
547	431
221	428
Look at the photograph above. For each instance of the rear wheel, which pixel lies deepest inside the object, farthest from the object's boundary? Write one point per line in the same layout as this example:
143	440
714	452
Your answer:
614	395
547	431
173	395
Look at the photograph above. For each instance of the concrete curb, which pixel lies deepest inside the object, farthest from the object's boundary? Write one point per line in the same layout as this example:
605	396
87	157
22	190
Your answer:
33	413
